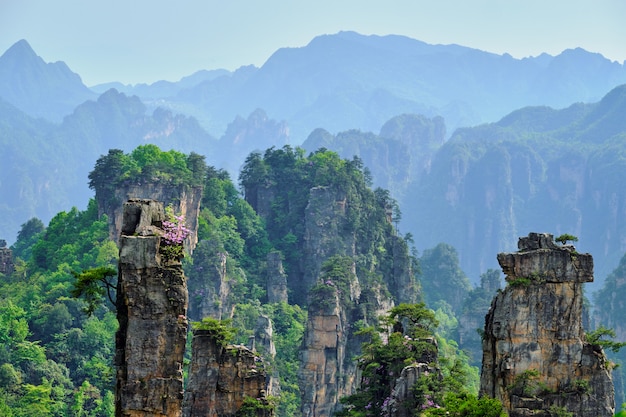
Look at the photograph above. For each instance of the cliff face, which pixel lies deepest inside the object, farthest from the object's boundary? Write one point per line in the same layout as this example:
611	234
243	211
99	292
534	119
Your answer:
327	371
152	309
325	233
276	279
209	284
535	357
184	201
6	261
221	377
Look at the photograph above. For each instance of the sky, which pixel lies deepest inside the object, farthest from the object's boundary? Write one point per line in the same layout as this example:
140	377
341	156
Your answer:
142	41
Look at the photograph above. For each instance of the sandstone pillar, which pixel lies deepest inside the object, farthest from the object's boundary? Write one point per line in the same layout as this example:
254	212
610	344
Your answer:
151	309
222	377
535	357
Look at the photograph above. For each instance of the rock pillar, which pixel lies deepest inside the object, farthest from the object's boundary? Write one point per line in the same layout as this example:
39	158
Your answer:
222	377
276	279
151	310
6	260
535	357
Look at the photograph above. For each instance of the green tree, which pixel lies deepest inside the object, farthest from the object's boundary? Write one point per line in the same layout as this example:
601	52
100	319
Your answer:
27	235
93	284
566	237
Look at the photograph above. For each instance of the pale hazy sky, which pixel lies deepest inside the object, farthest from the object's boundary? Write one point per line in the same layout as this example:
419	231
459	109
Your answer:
136	41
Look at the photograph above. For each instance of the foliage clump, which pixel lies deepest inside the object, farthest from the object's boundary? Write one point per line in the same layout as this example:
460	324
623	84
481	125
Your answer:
566	237
220	330
256	407
336	277
407	338
145	164
54	359
602	337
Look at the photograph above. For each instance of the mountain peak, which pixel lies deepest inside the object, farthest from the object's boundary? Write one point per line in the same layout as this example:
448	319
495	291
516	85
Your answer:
20	50
40	89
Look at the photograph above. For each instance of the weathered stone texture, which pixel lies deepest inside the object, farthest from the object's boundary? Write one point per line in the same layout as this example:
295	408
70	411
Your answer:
184	200
536	325
327	371
402	283
325	233
402	398
221	377
276	279
152	308
264	343
6	261
209	284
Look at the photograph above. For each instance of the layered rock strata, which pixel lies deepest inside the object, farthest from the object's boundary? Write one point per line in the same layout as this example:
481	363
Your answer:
151	310
327	371
222	377
535	357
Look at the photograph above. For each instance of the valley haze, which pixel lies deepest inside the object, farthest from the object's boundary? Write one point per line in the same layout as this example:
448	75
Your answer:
330	93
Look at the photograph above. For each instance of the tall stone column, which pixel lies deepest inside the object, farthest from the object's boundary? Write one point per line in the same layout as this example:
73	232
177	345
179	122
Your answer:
222	377
535	357
151	310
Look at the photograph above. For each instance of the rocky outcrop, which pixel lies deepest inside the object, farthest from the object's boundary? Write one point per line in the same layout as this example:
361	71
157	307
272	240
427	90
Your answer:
276	279
151	310
535	357
209	283
326	234
221	377
402	283
185	201
264	343
327	371
401	402
6	260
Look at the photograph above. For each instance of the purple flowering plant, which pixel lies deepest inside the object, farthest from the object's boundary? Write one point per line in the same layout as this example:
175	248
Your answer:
174	234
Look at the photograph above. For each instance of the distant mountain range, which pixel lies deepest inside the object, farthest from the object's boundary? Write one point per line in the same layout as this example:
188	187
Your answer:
337	82
40	89
398	103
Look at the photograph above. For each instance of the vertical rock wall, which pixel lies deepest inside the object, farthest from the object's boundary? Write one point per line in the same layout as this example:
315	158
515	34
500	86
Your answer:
276	279
209	284
327	373
220	377
325	234
327	369
6	261
151	308
535	358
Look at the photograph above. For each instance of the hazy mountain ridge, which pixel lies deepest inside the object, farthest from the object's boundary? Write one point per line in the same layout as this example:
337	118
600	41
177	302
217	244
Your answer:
334	82
347	81
490	183
48	90
162	88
